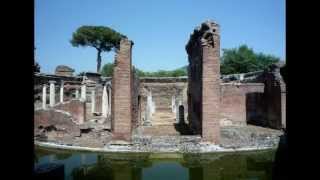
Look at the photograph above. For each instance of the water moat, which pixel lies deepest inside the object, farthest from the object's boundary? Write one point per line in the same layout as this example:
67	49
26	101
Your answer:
145	166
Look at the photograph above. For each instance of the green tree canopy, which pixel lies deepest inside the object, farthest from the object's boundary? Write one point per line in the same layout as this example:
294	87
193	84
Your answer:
107	70
244	59
235	60
103	39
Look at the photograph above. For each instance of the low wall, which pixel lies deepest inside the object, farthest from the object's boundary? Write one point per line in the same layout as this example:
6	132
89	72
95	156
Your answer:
76	108
60	121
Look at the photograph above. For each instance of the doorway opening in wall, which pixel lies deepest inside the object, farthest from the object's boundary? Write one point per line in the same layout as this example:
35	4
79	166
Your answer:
181	126
255	109
163	106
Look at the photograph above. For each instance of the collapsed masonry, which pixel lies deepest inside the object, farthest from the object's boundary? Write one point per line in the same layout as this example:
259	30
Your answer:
202	102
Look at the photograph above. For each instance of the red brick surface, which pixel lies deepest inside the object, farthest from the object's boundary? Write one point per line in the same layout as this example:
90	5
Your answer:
50	117
211	92
203	49
122	93
234	105
76	108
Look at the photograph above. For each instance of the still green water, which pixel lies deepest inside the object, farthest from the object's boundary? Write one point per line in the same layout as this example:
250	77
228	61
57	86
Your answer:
144	166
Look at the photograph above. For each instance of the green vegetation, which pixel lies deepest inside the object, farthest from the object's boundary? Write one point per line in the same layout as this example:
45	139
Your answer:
243	60
163	73
103	39
107	71
235	60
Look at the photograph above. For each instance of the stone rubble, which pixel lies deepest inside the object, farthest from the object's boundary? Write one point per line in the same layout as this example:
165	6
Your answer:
232	138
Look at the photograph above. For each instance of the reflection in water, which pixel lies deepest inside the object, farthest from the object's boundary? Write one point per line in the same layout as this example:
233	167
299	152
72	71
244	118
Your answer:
84	165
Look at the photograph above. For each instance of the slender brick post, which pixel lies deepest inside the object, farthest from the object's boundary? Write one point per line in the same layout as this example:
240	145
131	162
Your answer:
122	93
211	87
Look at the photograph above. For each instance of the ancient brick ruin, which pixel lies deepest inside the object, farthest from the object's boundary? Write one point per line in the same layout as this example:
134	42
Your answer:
203	51
122	82
198	105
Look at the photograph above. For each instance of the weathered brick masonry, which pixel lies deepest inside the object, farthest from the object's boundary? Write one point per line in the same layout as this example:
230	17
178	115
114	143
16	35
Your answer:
206	99
76	108
203	49
238	102
275	97
122	93
135	90
59	120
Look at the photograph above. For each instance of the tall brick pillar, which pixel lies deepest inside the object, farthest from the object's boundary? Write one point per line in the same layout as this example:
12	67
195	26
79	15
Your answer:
204	78
122	93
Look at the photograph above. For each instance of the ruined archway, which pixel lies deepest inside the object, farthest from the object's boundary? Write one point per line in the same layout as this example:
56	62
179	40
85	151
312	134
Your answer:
203	51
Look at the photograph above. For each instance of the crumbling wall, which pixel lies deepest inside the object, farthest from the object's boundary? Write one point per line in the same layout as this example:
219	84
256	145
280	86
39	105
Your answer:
255	112
195	87
265	107
55	120
135	100
274	97
203	51
76	108
122	93
238	104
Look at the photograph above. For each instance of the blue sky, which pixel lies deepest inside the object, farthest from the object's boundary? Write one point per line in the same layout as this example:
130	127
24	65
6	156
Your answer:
160	29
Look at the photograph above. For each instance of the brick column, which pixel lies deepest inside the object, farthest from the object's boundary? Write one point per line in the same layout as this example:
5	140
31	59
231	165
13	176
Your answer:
203	51
121	93
211	89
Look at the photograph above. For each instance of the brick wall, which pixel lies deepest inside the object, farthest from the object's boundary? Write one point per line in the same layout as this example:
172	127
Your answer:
60	120
135	101
76	108
275	99
241	103
211	91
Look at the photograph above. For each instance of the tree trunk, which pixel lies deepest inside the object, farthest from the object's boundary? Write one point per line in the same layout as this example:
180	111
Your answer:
99	61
